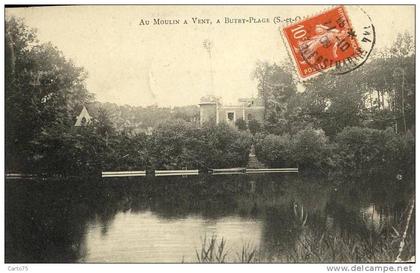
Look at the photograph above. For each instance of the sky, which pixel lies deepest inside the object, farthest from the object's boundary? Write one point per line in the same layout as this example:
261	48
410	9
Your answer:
166	64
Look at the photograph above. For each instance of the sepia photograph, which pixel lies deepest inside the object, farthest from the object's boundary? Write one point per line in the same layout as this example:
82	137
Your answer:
170	134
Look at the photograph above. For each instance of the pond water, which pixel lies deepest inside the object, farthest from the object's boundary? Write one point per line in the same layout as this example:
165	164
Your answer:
149	220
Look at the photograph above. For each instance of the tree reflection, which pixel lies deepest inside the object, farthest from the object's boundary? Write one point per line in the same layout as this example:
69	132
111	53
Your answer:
47	221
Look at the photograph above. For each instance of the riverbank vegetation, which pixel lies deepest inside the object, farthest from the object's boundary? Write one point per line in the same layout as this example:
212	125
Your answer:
356	124
328	247
356	152
378	243
44	94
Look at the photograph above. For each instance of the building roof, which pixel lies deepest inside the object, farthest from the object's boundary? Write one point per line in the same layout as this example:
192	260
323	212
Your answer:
83	114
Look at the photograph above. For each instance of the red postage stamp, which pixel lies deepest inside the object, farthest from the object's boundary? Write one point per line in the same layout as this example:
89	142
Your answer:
322	42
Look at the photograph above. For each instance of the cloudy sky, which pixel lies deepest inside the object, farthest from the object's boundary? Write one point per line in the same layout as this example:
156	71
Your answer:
167	64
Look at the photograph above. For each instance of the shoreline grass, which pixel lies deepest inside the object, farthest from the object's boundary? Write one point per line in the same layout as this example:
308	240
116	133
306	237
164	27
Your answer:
391	245
311	249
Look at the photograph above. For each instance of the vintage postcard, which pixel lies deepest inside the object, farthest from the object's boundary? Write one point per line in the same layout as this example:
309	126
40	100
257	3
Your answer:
210	134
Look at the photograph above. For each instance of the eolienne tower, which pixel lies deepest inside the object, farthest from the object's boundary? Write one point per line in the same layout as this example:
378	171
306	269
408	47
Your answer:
213	111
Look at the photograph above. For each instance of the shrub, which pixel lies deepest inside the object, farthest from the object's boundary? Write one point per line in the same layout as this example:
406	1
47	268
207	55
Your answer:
179	144
240	123
68	153
224	146
274	150
174	145
127	152
254	126
310	149
307	149
401	152
365	151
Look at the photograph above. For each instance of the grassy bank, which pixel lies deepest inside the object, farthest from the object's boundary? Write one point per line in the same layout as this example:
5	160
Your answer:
394	244
329	248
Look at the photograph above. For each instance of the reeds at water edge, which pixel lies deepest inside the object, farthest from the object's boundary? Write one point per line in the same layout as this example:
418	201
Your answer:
395	244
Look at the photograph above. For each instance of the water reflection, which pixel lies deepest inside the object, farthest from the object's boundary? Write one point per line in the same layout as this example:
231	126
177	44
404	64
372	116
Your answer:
145	237
165	219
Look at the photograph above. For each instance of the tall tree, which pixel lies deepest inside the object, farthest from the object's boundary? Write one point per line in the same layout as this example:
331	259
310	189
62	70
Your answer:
392	76
276	86
43	89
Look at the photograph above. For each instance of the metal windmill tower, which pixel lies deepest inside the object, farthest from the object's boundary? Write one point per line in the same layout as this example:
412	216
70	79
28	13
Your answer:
208	45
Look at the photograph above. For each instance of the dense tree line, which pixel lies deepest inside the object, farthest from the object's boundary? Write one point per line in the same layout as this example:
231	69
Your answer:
358	123
173	144
356	152
353	124
44	94
178	144
127	117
